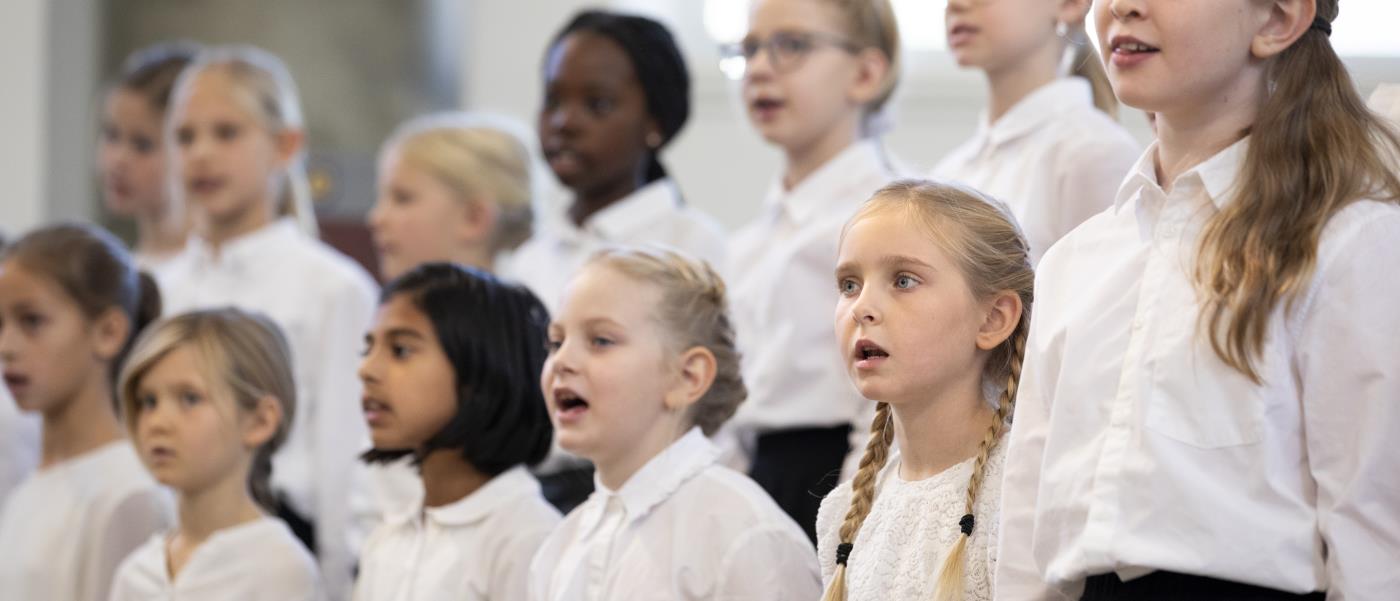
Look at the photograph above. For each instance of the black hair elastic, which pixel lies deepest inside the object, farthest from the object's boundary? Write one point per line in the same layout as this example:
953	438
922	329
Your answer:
843	552
1322	25
966	523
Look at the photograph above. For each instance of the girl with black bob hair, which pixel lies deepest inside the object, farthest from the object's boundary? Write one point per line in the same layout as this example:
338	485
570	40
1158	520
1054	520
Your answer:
451	378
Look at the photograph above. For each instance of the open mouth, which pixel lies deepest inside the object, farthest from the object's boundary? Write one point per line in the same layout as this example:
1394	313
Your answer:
16	382
375	410
868	353
766	107
1128	51
960	34
206	185
568	404
160	453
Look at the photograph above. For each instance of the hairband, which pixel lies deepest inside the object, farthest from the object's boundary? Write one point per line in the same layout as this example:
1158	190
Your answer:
1322	25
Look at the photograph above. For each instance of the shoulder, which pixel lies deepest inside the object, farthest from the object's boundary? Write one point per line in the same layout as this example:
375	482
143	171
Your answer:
1358	242
833	509
1090	138
142	573
729	505
281	558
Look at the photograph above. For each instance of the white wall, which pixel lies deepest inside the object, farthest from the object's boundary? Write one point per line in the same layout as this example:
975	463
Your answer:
22	42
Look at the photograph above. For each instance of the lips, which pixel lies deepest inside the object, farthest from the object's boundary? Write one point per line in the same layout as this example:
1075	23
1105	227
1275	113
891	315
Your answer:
868	355
960	34
16	382
569	406
159	454
766	108
204	185
1127	51
376	412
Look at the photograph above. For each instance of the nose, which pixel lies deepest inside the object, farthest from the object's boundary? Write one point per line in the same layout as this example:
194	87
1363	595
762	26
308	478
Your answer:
759	67
375	218
563	118
368	370
865	310
957	6
1124	10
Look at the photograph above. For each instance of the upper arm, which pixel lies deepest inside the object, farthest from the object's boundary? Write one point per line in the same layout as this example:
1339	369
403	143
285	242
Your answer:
769	563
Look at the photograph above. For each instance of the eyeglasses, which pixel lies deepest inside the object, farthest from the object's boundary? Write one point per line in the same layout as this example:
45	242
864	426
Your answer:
786	49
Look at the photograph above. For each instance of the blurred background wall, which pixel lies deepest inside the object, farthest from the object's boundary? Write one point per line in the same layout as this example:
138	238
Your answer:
364	65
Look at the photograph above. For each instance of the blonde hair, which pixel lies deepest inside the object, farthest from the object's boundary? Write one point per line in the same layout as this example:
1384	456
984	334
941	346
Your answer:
274	100
694	313
1315	148
872	24
476	157
993	256
242	353
1085	63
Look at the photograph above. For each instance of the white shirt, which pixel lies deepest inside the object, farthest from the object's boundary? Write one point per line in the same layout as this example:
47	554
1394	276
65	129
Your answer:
1054	159
476	549
258	561
65	530
783	295
683	528
900	548
1137	449
323	302
654	214
19	444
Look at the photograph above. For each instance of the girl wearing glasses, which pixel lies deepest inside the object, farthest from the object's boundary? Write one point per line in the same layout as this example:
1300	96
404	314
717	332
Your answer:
816	74
1047	143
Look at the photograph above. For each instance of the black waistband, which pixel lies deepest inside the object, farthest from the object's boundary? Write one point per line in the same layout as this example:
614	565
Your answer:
803	436
1164	586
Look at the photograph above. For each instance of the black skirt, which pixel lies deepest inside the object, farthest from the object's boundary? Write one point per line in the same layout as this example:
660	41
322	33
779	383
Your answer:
1171	586
799	467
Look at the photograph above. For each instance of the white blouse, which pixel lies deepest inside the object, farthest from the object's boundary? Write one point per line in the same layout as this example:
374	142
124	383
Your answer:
901	545
1054	159
65	530
782	294
1137	449
19	444
476	549
683	528
323	302
654	214
258	561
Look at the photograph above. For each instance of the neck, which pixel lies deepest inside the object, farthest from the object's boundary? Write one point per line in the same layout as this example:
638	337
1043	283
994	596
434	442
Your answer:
806	159
476	255
936	433
1010	85
83	424
615	471
222	505
589	202
161	233
448	477
247	221
1187	138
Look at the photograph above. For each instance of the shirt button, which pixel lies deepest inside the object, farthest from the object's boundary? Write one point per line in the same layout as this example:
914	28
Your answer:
1137	325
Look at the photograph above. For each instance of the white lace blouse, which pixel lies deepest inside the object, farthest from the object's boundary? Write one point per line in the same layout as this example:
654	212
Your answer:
901	545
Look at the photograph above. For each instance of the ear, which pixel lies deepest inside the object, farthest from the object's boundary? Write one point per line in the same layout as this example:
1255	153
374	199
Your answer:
871	68
289	142
1285	22
697	373
260	424
478	220
1003	313
110	331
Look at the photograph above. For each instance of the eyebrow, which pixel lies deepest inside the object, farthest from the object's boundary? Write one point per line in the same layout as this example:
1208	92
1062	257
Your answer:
888	261
395	333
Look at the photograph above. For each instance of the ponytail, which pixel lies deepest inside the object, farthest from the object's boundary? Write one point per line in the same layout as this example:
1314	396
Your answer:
1314	149
1085	62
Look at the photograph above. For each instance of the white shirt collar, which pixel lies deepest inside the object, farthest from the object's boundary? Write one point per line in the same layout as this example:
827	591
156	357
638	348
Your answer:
658	479
1045	103
248	246
624	218
507	487
1215	175
826	185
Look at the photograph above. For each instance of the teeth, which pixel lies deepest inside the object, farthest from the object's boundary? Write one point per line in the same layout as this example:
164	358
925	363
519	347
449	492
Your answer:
1135	47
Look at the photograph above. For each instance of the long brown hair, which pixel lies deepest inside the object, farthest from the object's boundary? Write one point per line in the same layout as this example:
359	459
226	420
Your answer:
993	256
1314	149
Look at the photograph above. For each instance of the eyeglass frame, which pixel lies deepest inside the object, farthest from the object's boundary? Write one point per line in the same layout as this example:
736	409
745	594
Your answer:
739	51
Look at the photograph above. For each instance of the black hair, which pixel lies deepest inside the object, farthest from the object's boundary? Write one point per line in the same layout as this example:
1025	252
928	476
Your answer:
94	268
659	65
153	70
493	334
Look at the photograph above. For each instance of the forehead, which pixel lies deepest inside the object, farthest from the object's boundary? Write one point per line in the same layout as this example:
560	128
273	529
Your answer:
795	15
587	58
213	91
600	291
400	313
18	283
130	108
894	230
183	363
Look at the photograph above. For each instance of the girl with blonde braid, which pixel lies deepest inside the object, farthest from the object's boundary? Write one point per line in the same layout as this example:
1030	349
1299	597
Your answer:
935	292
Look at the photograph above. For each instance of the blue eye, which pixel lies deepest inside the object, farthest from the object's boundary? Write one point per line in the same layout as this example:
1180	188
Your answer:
847	287
599	341
905	282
